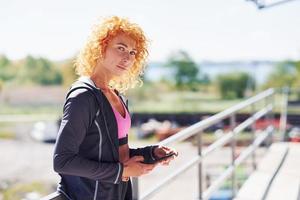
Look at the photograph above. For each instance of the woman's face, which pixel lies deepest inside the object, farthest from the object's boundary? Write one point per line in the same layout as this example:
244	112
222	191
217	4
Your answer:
119	55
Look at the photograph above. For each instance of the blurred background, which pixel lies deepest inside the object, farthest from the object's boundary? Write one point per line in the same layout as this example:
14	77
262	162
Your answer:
205	56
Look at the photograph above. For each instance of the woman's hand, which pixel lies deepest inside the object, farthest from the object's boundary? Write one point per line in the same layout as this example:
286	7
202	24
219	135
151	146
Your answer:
162	151
134	167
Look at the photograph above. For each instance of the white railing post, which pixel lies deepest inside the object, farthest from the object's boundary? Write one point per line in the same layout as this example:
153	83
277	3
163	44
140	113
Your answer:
271	116
253	132
269	139
283	115
135	188
233	153
200	165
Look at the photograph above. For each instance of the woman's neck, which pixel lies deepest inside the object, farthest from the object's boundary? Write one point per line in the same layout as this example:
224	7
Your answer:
101	80
101	83
101	77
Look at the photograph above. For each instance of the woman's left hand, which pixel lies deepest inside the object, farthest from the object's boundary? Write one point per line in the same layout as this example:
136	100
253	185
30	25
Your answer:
162	151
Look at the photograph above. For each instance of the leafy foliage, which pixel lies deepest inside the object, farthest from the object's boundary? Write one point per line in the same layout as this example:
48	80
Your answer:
185	70
36	71
40	71
286	73
234	85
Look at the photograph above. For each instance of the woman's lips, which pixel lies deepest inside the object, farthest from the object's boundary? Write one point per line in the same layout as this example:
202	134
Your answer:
121	67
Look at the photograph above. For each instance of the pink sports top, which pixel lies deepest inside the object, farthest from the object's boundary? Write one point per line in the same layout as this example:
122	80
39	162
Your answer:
124	124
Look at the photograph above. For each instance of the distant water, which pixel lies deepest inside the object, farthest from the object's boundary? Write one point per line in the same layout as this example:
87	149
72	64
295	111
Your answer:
259	71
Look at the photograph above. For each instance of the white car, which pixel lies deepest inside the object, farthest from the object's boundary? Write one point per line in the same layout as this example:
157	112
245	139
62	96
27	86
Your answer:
44	131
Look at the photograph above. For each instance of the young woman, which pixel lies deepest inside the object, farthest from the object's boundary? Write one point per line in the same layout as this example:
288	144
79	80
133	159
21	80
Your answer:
92	154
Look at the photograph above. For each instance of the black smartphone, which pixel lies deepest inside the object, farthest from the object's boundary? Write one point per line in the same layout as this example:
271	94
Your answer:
166	156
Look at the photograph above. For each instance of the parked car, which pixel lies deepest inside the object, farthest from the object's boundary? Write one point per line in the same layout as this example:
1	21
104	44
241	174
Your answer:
294	134
45	131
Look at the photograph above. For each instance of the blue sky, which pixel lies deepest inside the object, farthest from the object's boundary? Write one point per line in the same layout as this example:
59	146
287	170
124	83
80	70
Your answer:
217	30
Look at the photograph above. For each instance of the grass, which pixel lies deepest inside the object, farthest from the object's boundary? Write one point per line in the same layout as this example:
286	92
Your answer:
20	190
7	131
7	135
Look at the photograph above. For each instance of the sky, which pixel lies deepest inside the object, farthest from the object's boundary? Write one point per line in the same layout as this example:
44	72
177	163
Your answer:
214	30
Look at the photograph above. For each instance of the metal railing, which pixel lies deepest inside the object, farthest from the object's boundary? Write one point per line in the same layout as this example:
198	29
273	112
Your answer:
196	130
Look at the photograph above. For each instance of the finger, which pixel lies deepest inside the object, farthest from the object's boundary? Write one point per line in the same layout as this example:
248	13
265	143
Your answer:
161	151
174	151
168	160
146	170
150	167
166	148
169	150
162	161
138	158
165	163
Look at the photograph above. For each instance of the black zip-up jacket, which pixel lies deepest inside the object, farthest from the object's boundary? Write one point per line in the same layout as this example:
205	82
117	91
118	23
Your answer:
86	154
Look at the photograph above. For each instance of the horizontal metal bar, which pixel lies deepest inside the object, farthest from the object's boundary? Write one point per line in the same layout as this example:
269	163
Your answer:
216	184
200	126
226	138
253	118
217	144
244	155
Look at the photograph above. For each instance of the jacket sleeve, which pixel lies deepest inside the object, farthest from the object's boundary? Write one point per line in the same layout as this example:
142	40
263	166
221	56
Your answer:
78	113
147	152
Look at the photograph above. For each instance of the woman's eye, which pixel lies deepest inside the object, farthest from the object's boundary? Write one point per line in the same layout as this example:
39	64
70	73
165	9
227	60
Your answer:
132	53
121	48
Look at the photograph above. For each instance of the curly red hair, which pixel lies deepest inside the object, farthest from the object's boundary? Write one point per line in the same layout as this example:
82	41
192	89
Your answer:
96	45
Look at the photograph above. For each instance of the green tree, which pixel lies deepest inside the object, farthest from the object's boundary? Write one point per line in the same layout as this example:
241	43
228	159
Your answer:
284	74
68	72
7	70
185	70
47	73
4	61
39	71
296	81
296	84
1	85
234	85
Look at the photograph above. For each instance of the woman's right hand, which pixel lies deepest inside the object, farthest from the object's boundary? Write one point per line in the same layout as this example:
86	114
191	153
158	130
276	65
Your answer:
134	167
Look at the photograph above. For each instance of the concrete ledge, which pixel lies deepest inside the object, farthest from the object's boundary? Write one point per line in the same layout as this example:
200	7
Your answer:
254	187
285	184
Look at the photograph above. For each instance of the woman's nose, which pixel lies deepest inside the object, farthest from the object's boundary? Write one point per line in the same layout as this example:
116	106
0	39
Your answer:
125	56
